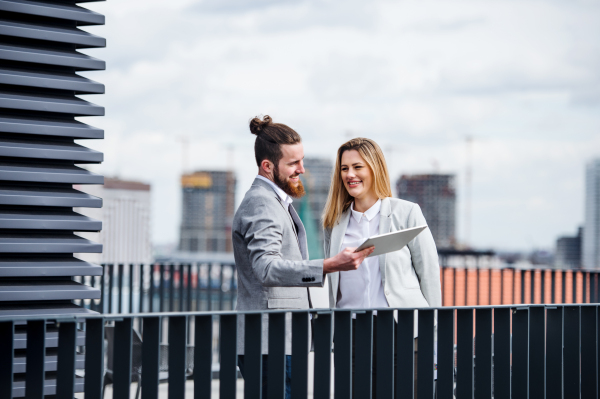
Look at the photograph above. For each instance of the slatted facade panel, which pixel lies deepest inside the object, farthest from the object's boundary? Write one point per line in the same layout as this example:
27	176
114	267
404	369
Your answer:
39	159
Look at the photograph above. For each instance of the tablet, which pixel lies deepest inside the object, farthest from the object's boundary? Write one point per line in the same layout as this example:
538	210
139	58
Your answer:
390	242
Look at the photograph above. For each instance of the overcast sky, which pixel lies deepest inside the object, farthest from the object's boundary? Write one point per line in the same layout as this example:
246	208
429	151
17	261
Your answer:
521	77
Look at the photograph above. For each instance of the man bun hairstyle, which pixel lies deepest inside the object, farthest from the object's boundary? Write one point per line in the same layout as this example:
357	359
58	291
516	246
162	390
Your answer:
269	138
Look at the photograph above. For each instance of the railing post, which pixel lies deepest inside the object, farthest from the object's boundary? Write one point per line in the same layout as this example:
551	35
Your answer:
141	268
228	371
425	355
464	354
111	283
300	348
323	341
131	267
189	288
343	354
65	367
171	288
151	289
198	287
363	349
35	359
554	352
221	286
120	278
94	358
101	305
7	337
181	287
177	354
445	354
589	352
253	356
405	363
276	362
122	358
571	370
483	352
520	352
150	357
161	288
203	351
537	349
209	290
502	353
384	384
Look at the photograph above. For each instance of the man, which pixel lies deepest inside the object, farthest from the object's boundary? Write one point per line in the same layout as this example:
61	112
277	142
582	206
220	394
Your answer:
269	240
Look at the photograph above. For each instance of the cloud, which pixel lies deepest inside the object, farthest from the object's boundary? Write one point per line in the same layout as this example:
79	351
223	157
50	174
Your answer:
229	7
522	77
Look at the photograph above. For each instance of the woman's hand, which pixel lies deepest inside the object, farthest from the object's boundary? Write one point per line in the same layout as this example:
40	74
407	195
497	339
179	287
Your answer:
346	260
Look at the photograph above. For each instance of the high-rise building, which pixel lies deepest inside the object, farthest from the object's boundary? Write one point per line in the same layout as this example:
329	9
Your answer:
568	251
316	180
125	216
207	211
591	229
436	195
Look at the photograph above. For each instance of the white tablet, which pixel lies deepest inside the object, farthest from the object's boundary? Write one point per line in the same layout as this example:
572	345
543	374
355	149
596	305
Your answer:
390	242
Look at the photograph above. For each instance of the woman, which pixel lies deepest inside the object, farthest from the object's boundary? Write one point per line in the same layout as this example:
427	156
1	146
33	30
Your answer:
360	205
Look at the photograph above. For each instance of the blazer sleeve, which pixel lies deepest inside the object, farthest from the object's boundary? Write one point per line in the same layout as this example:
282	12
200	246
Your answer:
326	249
425	259
263	236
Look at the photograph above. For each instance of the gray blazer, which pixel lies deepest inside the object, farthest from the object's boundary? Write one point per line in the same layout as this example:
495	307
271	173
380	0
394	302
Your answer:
411	276
271	259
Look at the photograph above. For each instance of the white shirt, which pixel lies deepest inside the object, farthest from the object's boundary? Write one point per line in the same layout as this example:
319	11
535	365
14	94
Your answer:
286	199
362	288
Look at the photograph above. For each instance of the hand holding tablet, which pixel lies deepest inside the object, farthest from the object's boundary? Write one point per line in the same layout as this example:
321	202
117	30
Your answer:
390	242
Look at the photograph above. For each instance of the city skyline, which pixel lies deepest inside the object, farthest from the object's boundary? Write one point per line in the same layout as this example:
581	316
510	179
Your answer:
520	78
207	211
436	196
590	248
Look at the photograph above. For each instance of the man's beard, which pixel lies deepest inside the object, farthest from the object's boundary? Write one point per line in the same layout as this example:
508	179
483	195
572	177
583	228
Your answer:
287	186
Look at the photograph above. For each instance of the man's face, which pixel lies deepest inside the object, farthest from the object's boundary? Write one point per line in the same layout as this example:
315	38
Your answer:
286	173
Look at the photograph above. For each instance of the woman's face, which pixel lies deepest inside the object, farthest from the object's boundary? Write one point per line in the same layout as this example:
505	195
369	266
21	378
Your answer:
356	175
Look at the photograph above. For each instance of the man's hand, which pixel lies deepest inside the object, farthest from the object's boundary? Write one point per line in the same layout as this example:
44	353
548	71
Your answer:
346	260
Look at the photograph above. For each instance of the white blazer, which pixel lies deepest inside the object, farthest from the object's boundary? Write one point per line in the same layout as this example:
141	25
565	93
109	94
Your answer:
411	276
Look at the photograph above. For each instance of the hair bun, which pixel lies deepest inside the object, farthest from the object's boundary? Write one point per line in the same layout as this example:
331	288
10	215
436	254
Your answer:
257	125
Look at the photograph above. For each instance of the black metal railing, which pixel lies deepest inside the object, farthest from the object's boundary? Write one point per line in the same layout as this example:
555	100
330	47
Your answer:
212	286
164	287
501	352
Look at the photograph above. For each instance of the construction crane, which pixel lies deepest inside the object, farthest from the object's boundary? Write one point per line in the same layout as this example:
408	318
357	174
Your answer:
185	147
468	188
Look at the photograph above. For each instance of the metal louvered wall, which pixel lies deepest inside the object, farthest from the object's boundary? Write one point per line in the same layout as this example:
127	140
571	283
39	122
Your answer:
39	85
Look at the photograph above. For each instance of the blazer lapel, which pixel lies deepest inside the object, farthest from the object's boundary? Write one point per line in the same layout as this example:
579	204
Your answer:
337	237
338	233
259	182
301	236
385	224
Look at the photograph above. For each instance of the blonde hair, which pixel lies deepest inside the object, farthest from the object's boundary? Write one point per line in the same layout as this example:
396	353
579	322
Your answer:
339	199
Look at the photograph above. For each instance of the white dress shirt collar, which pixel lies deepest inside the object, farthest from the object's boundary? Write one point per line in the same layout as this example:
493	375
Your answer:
285	199
369	214
362	288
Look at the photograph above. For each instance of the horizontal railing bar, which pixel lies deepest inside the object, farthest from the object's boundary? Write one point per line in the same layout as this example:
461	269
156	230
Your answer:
226	262
121	316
